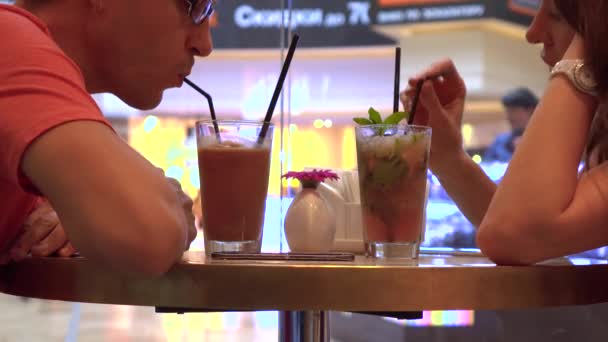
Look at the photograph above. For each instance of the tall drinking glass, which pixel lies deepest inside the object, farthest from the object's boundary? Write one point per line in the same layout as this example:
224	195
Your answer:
393	162
234	170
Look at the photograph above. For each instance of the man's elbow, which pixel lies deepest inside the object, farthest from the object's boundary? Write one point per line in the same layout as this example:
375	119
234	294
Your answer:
161	262
168	250
157	252
153	268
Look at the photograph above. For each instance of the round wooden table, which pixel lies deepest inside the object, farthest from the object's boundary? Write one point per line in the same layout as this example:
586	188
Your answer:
436	282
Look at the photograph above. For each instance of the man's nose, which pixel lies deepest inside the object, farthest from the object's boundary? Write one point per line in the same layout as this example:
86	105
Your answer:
200	40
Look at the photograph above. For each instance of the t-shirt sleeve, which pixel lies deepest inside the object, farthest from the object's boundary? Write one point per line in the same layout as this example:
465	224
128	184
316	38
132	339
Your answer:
40	88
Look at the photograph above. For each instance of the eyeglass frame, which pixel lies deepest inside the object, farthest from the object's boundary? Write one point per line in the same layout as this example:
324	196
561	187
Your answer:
203	15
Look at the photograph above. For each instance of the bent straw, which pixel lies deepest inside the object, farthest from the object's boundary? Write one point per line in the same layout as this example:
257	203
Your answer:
415	101
278	88
417	94
211	108
397	76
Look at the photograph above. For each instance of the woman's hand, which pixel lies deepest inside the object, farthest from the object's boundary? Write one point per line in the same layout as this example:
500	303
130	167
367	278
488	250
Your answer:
441	107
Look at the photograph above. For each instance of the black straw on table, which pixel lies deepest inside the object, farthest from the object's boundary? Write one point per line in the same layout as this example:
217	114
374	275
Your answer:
415	101
278	88
211	108
397	77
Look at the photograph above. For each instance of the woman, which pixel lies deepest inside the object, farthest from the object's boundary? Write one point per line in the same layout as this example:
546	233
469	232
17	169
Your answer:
542	207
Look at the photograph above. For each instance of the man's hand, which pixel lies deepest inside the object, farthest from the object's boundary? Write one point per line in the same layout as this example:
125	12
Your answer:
186	204
42	235
441	107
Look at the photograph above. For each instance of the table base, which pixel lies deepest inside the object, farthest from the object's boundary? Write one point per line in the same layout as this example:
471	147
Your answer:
304	326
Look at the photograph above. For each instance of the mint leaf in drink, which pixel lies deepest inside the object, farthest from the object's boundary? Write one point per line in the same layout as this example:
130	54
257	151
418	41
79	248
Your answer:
397	147
376	119
374	116
363	121
416	137
387	171
395	118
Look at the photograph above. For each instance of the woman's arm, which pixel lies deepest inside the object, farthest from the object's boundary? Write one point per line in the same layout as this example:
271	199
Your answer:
541	208
441	107
468	186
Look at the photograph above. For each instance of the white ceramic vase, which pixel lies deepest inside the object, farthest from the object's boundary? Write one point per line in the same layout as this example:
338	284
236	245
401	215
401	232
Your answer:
310	224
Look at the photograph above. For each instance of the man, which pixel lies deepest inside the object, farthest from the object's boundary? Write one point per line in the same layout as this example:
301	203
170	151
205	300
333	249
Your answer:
519	105
115	207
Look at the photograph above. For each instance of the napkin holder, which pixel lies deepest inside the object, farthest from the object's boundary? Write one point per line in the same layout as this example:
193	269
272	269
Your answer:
349	227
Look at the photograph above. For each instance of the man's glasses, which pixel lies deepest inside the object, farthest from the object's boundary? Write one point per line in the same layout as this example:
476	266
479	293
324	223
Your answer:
199	10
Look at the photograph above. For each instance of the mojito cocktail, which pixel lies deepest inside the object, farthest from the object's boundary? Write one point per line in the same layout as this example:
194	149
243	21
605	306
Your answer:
393	162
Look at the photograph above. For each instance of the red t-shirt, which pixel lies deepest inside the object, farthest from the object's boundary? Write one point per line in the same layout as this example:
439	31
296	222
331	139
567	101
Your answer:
40	88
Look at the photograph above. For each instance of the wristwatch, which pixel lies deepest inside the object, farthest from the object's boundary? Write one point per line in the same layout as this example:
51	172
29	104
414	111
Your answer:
578	73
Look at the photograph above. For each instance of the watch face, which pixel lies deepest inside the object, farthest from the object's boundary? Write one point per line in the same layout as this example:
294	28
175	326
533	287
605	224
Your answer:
584	77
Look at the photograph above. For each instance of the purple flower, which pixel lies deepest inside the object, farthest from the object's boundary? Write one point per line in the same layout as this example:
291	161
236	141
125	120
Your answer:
311	178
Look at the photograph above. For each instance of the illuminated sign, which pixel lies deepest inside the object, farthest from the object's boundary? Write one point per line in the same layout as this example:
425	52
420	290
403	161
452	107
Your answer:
323	23
354	13
246	16
394	12
389	12
320	23
429	14
388	3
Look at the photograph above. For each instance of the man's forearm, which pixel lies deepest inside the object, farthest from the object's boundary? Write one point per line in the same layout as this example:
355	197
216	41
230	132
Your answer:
468	186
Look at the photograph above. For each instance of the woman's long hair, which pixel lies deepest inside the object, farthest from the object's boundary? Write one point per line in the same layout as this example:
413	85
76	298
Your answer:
588	18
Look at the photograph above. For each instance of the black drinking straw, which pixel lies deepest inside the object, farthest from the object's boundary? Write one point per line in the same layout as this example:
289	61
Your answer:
415	101
210	102
278	88
397	76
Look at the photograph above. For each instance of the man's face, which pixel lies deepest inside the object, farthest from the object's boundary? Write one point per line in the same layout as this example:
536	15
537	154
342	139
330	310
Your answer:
142	47
518	117
552	30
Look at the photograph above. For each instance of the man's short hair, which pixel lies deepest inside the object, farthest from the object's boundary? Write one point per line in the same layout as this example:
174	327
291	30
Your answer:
520	97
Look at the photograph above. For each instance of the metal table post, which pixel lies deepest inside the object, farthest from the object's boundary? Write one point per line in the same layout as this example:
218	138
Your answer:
303	326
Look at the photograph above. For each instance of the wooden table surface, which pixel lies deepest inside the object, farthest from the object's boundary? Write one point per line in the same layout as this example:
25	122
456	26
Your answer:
437	282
